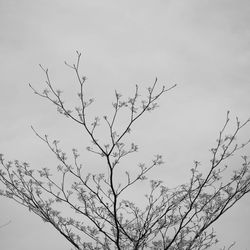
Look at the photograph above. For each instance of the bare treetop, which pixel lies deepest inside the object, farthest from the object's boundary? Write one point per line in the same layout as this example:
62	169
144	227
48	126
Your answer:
179	218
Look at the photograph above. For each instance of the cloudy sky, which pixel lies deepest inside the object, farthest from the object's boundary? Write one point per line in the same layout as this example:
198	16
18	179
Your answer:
202	45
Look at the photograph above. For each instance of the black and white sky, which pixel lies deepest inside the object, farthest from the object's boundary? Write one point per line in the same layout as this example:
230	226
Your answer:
201	45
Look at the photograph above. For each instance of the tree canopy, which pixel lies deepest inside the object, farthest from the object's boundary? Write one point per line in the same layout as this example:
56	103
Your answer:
100	217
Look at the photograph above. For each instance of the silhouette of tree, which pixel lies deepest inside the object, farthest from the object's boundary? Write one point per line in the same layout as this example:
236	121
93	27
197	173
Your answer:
172	218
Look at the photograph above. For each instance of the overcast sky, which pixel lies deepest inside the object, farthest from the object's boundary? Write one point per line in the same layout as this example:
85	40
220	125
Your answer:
202	45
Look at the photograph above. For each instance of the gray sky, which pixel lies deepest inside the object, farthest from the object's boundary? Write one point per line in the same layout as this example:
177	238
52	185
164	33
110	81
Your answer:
203	46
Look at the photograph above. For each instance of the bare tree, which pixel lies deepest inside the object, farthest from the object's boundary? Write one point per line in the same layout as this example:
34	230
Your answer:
172	218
